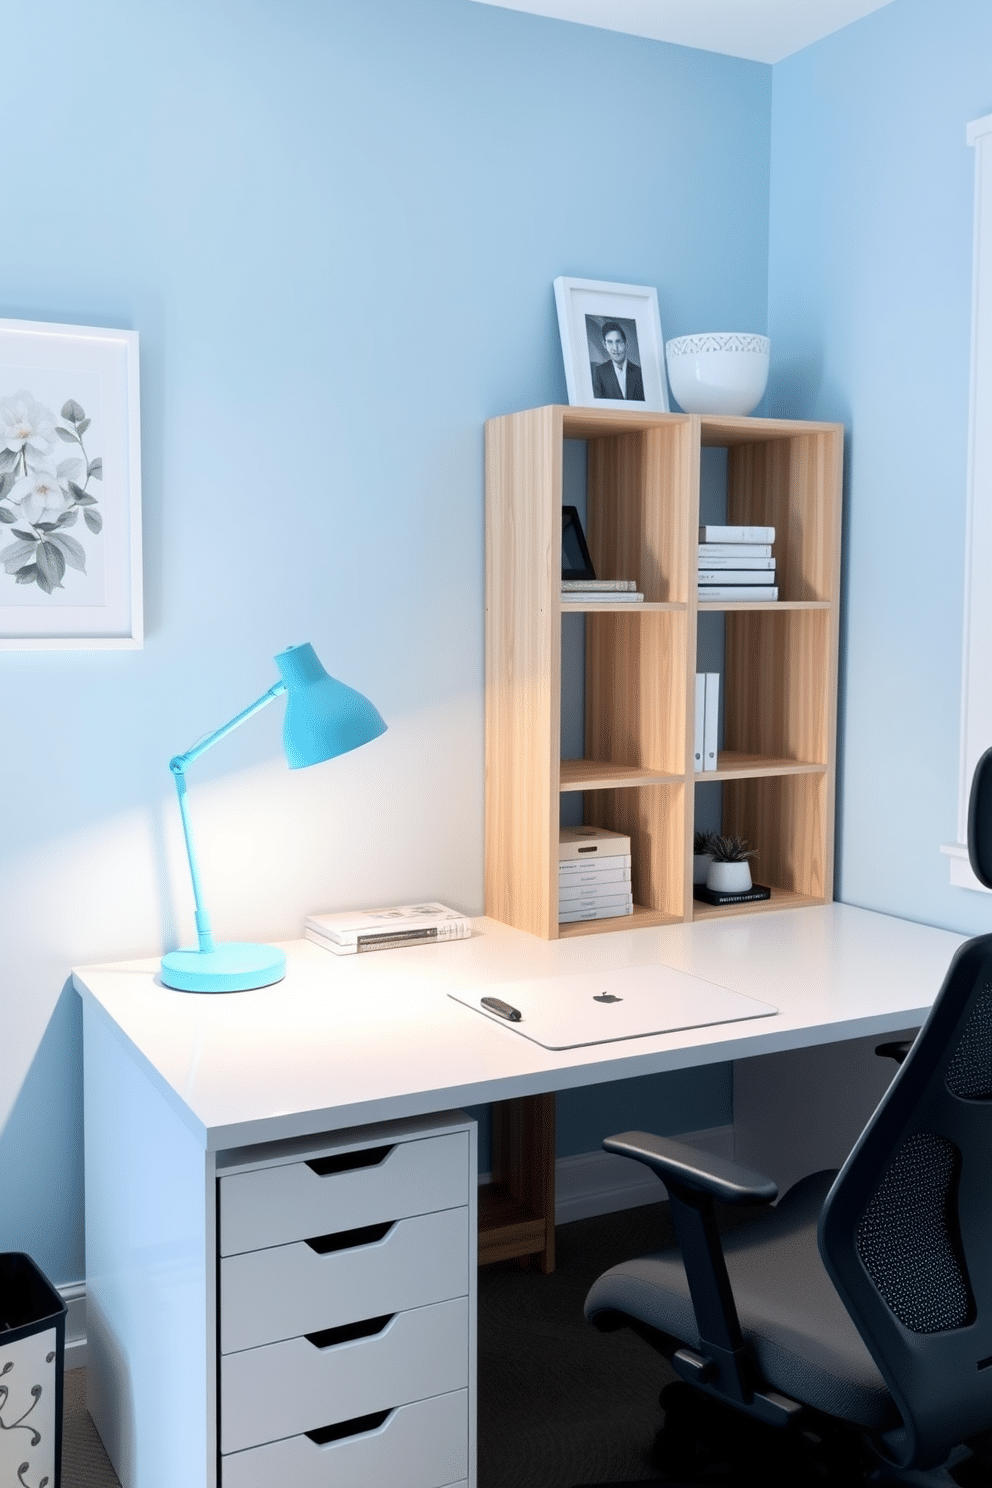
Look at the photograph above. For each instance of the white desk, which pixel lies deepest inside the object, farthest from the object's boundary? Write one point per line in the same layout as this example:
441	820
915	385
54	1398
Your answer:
178	1086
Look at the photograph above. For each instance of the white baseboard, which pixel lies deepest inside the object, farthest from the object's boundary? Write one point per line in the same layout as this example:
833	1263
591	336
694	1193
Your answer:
600	1183
74	1296
587	1184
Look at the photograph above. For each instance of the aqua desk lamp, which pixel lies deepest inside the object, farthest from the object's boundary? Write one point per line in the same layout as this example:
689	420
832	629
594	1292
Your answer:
323	718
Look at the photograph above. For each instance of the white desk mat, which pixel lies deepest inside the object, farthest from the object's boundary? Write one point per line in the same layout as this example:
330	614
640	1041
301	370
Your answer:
566	1012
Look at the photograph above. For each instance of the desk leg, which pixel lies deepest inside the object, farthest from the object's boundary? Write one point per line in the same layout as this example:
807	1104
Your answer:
517	1209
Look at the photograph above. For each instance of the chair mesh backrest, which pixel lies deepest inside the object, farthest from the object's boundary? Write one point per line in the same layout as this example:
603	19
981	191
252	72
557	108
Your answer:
908	1238
969	1074
906	1230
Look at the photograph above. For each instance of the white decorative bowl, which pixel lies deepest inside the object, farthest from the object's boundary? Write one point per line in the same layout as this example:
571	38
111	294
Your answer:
720	372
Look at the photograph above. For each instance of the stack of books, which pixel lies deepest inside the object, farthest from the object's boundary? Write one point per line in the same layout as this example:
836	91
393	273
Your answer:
736	563
353	931
593	874
600	591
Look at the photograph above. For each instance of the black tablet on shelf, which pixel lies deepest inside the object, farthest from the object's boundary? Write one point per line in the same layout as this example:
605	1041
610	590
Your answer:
575	560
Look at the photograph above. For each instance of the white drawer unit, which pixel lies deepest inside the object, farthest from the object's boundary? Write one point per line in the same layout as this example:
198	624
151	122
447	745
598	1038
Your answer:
346	1299
416	1446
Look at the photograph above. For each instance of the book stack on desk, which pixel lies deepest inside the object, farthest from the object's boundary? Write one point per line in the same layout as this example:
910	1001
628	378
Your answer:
600	591
736	563
593	874
353	931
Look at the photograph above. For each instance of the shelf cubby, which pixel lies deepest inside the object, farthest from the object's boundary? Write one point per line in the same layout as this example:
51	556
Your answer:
776	699
776	769
787	816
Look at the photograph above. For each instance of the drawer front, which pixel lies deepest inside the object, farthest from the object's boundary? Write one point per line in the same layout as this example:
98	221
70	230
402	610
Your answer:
274	1206
287	1388
418	1446
269	1295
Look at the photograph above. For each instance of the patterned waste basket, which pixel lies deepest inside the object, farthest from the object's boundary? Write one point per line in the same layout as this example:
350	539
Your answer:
32	1357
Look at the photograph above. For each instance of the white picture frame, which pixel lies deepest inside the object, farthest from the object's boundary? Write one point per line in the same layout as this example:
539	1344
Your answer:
70	488
586	308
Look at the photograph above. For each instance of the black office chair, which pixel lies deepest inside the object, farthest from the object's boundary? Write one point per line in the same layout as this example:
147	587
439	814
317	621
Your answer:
862	1303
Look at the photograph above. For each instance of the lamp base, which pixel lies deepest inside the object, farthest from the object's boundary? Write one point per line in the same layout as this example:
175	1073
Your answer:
233	966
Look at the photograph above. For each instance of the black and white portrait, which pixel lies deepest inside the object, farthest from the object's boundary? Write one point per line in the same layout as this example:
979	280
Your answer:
611	345
614	359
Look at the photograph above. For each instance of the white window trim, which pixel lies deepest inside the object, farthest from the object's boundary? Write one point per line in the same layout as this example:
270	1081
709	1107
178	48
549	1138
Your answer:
976	681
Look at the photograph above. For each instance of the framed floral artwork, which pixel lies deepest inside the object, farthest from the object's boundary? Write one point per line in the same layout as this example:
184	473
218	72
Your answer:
70	488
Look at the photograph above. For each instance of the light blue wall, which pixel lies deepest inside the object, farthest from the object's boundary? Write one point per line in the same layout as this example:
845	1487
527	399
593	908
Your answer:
869	314
335	227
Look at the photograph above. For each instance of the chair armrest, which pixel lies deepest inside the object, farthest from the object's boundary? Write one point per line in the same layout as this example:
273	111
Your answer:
681	1167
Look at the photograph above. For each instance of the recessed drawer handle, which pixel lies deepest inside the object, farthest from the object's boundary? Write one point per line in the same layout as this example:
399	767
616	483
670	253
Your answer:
347	1239
355	1427
331	1337
347	1162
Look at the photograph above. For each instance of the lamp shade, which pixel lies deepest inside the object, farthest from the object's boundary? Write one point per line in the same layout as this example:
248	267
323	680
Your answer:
323	716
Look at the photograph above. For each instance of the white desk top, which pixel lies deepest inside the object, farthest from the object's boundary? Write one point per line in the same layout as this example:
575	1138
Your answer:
344	1041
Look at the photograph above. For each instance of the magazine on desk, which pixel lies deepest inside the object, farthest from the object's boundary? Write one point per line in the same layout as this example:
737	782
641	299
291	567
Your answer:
351	931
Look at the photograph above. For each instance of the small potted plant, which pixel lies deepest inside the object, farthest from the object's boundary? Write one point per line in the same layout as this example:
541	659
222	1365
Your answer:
729	872
702	855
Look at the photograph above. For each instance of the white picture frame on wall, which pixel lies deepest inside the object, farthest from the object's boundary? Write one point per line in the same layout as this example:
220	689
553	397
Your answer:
70	488
612	346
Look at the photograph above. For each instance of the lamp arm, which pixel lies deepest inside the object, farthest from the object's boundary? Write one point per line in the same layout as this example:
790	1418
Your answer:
179	762
178	765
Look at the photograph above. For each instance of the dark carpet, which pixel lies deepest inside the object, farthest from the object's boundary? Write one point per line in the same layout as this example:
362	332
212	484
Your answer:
559	1403
84	1462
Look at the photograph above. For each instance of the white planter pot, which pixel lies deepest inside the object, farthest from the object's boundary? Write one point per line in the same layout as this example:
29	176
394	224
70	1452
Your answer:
729	878
700	866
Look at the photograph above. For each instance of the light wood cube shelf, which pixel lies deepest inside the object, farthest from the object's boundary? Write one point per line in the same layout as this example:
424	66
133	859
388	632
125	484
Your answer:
780	682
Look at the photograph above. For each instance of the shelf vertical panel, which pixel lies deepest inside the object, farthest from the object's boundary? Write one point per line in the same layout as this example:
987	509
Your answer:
523	668
653	816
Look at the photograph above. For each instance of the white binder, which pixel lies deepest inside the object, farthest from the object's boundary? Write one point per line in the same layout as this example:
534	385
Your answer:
711	722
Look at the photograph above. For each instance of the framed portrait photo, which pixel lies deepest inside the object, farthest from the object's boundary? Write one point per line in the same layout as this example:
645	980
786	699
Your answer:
611	343
70	488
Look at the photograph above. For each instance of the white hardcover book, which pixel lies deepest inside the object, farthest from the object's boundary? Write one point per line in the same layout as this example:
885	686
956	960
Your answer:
375	929
700	722
600	596
619	585
762	592
734	550
596	868
595	911
711	722
589	842
737	534
740	576
391	941
569	891
721	565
